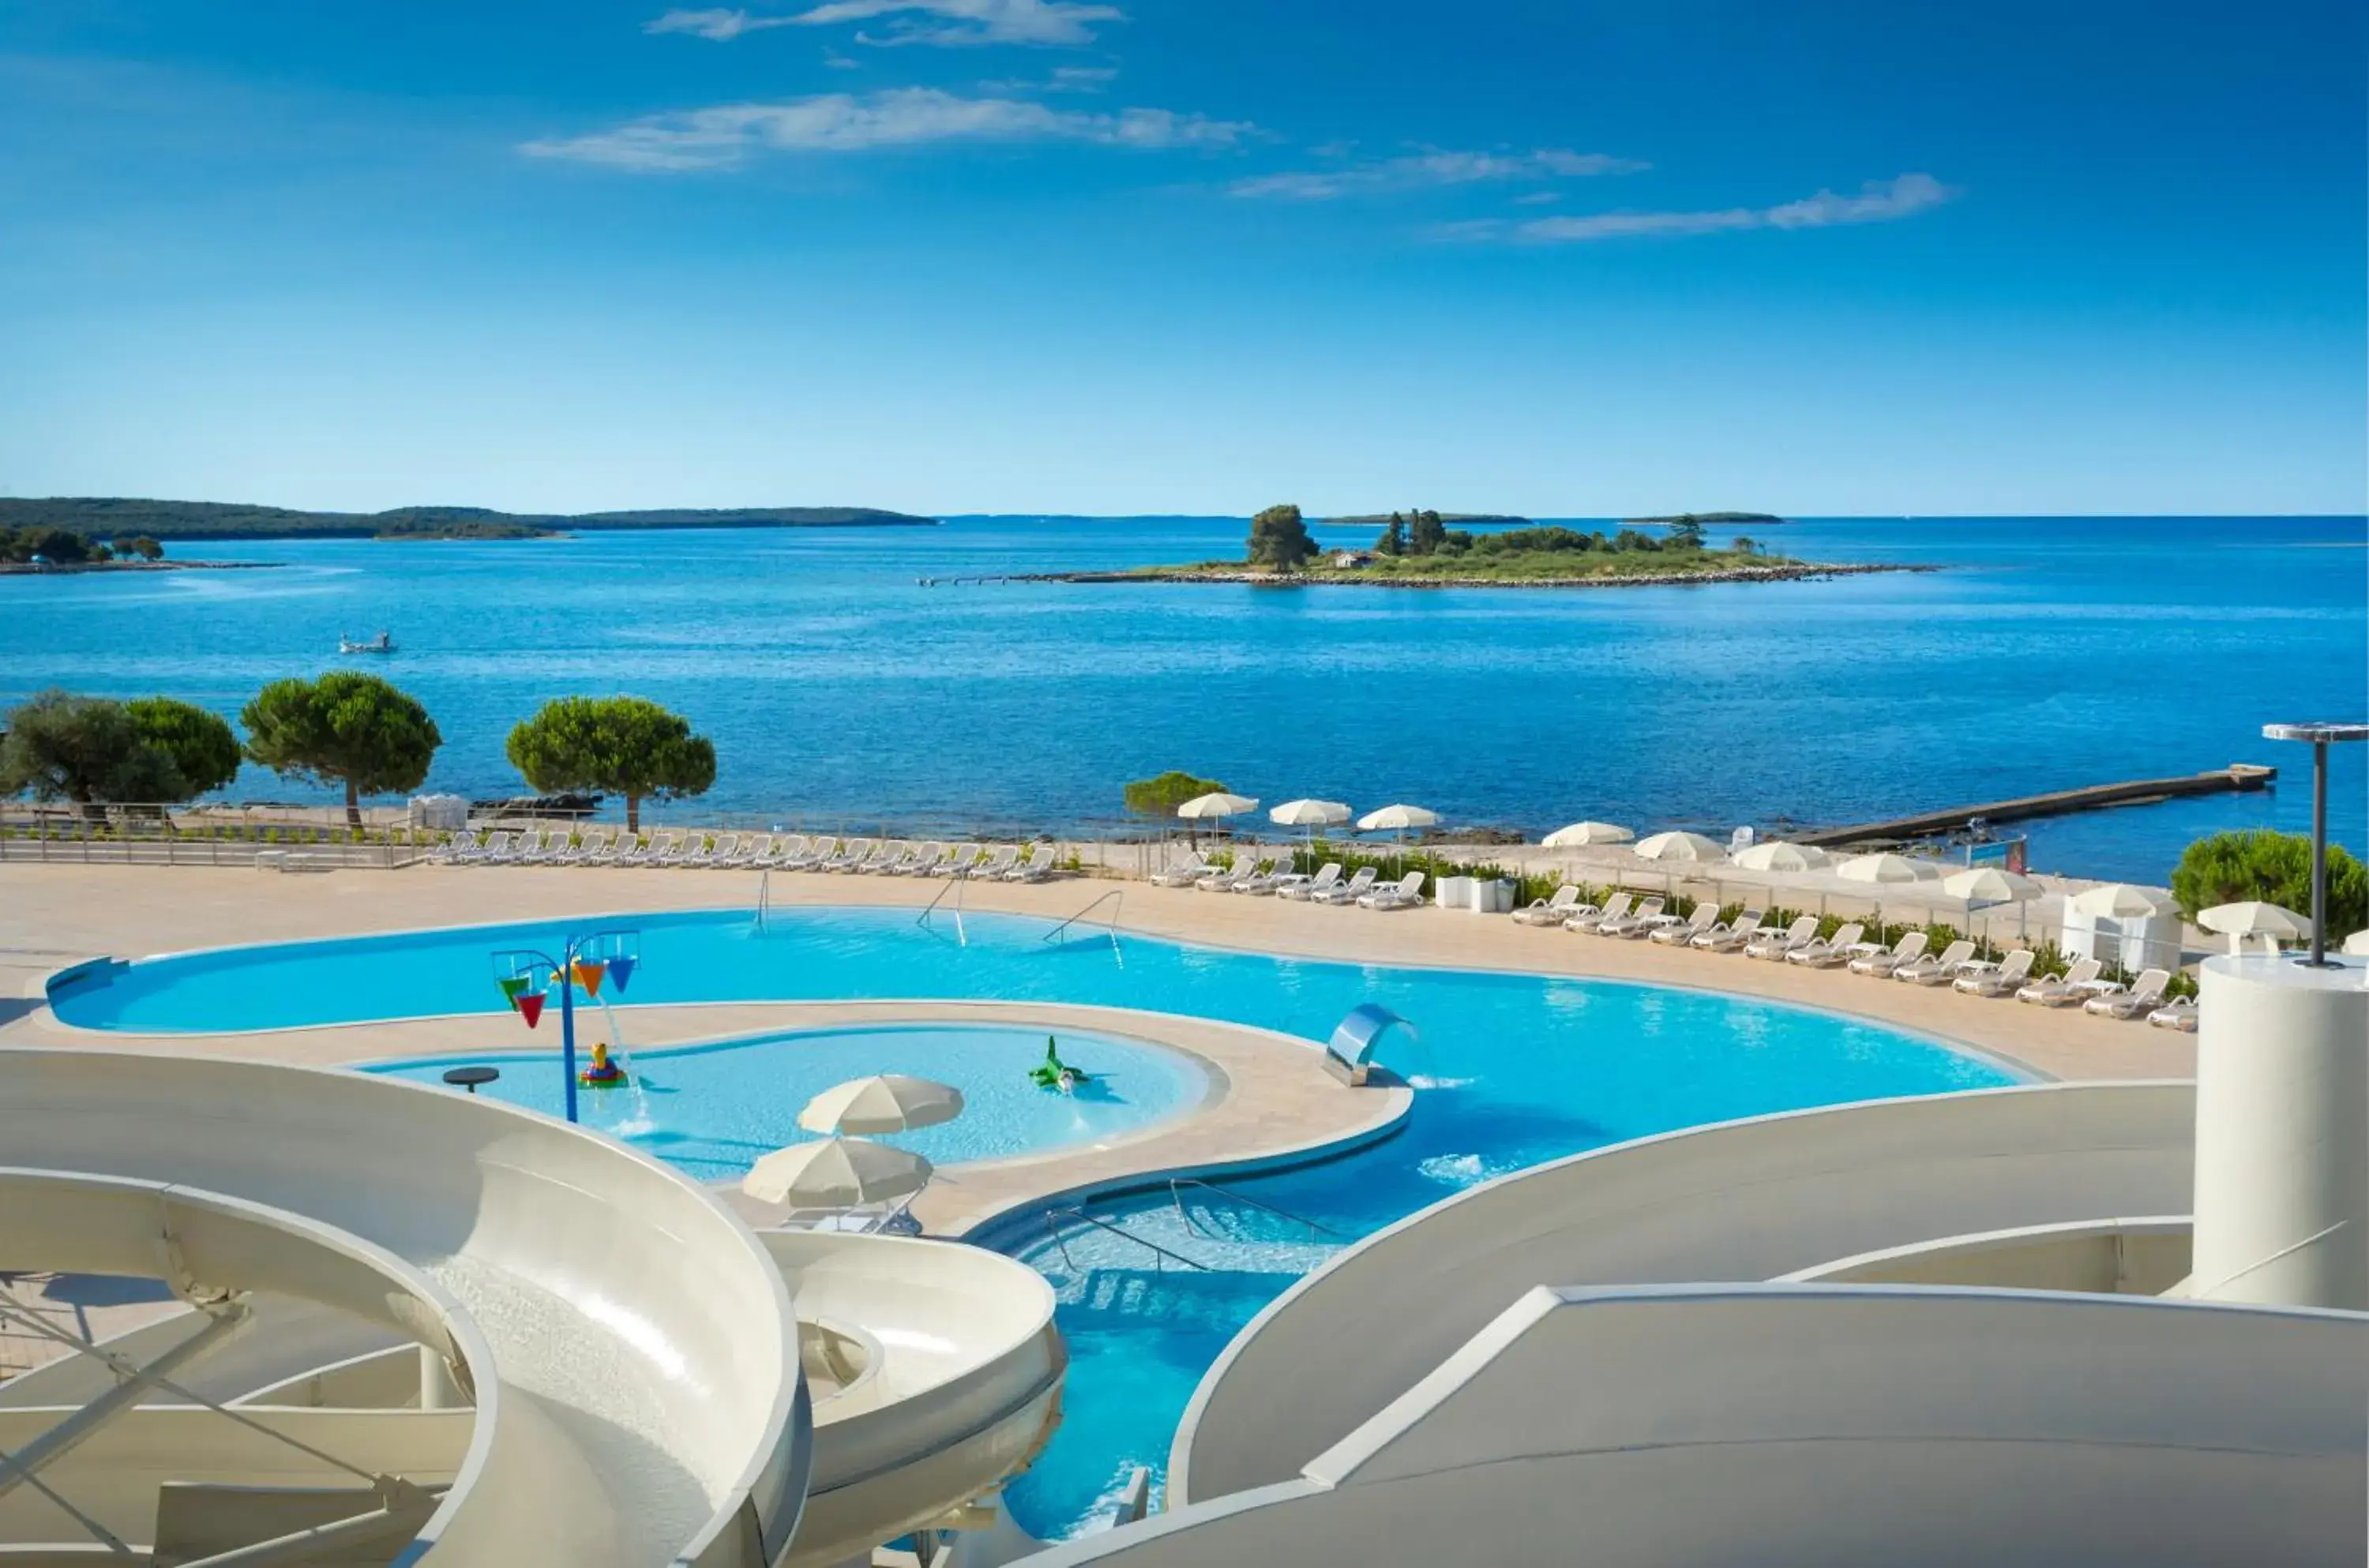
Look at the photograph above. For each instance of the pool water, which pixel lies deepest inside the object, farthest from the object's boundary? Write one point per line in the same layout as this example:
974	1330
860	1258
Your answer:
1509	1069
714	1109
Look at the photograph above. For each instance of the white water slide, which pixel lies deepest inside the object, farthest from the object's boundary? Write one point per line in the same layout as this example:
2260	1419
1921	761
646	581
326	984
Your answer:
433	1329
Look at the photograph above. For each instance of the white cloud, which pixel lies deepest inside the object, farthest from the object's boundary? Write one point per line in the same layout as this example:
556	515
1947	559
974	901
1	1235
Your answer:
1431	167
952	23
1878	201
718	25
1062	79
727	134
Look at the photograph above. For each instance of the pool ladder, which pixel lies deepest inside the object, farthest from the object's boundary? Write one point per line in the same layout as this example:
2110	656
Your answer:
954	885
1158	1251
1115	898
1177	1199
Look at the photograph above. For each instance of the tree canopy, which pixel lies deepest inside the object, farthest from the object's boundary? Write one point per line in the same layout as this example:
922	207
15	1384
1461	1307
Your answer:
1425	533
2275	868
618	745
345	728
1280	539
1161	795
204	750
86	749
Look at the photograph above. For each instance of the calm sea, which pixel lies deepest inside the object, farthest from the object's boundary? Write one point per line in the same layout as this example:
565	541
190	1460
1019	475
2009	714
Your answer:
2052	652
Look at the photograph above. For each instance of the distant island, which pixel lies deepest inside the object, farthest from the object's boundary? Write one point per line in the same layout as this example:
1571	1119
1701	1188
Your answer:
104	516
1376	519
1707	517
1418	550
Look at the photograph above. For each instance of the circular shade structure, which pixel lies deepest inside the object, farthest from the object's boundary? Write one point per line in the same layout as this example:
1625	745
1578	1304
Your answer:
1779	856
890	1102
1887	868
2122	900
1579	833
1399	818
836	1172
1310	814
1990	885
1681	846
2251	917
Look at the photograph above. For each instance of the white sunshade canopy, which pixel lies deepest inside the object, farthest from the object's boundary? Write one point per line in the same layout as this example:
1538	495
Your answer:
1310	814
2253	917
2357	945
1681	846
1216	804
1887	868
1991	884
836	1172
889	1103
1779	856
2121	899
1399	816
1579	833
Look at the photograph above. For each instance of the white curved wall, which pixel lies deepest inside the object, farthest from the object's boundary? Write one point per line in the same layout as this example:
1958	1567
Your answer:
1745	1200
1792	1427
2106	1257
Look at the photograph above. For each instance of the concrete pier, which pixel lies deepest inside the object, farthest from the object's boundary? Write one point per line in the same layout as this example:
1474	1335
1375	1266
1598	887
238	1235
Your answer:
2236	777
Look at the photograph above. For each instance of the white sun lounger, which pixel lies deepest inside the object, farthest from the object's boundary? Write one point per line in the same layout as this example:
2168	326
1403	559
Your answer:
1733	936
1308	889
2063	992
1001	860
919	859
1774	945
1587	919
1347	892
1038	867
1183	873
852	854
1829	953
1879	964
2002	979
1553	911
1638	919
454	848
2178	1014
1933	971
1404	894
502	849
958	860
2142	995
1673	932
883	854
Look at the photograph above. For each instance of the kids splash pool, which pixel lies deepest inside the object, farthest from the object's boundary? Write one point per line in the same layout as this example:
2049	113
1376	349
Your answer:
714	1108
1510	1069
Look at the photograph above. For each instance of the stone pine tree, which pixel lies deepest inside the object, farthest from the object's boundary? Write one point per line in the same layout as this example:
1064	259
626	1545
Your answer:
1280	539
624	746
347	729
1394	541
1425	533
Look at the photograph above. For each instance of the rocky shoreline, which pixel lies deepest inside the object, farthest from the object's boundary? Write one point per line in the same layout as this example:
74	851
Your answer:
1800	571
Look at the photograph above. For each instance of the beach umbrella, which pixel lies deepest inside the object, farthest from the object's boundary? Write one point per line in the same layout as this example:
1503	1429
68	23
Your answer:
1310	814
2254	918
1681	846
2122	900
1777	856
1579	833
836	1172
1982	885
1887	868
889	1103
1397	818
2357	945
1208	808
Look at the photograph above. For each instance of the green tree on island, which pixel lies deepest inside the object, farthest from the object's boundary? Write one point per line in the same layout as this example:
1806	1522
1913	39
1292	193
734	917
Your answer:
1686	532
144	548
1426	533
86	749
1394	541
2230	868
1280	539
345	728
617	745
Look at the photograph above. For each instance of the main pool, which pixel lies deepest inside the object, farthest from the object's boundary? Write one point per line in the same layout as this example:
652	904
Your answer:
1510	1069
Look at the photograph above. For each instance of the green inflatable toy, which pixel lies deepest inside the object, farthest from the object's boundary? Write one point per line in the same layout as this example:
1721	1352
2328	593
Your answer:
1055	1073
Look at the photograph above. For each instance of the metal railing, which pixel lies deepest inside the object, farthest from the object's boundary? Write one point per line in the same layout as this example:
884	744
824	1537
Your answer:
1114	896
954	885
1176	1198
1051	1215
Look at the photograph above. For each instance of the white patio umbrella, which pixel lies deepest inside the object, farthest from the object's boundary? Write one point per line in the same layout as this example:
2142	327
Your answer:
887	1103
1217	804
1310	814
2253	917
1397	818
2119	898
2357	945
1984	886
1777	856
1579	833
1887	868
836	1172
1681	846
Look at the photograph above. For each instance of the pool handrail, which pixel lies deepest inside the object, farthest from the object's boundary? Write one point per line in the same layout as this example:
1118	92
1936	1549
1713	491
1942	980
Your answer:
1052	1215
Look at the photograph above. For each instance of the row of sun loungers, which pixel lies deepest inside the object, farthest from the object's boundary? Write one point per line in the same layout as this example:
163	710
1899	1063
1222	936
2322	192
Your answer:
753	851
1906	960
1254	876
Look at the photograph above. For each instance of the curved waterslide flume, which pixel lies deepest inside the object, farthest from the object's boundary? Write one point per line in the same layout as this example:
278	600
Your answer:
935	1371
642	1403
93	1447
1799	1426
1748	1200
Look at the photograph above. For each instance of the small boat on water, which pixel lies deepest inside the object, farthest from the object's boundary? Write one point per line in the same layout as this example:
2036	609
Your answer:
383	643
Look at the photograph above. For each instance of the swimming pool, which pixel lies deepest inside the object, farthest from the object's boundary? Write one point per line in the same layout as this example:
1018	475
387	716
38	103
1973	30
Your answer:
1510	1069
713	1109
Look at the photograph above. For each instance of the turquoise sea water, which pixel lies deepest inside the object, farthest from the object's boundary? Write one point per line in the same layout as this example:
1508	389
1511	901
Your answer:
714	1109
1509	1069
2054	652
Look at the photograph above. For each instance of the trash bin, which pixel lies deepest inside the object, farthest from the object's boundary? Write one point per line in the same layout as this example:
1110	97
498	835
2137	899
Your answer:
1492	896
1454	892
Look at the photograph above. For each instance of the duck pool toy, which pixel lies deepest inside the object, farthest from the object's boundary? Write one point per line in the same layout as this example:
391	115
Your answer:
604	1073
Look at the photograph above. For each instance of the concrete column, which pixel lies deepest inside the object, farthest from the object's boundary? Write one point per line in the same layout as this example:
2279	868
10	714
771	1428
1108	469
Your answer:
2283	1133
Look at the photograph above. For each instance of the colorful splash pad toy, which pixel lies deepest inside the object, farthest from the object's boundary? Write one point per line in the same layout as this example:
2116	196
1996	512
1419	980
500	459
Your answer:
604	1073
1055	1073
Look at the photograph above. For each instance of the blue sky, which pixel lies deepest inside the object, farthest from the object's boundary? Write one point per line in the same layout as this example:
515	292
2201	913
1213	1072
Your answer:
1186	254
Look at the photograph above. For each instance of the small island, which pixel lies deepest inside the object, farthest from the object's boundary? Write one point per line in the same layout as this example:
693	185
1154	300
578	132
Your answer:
106	517
1419	550
28	552
1667	519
